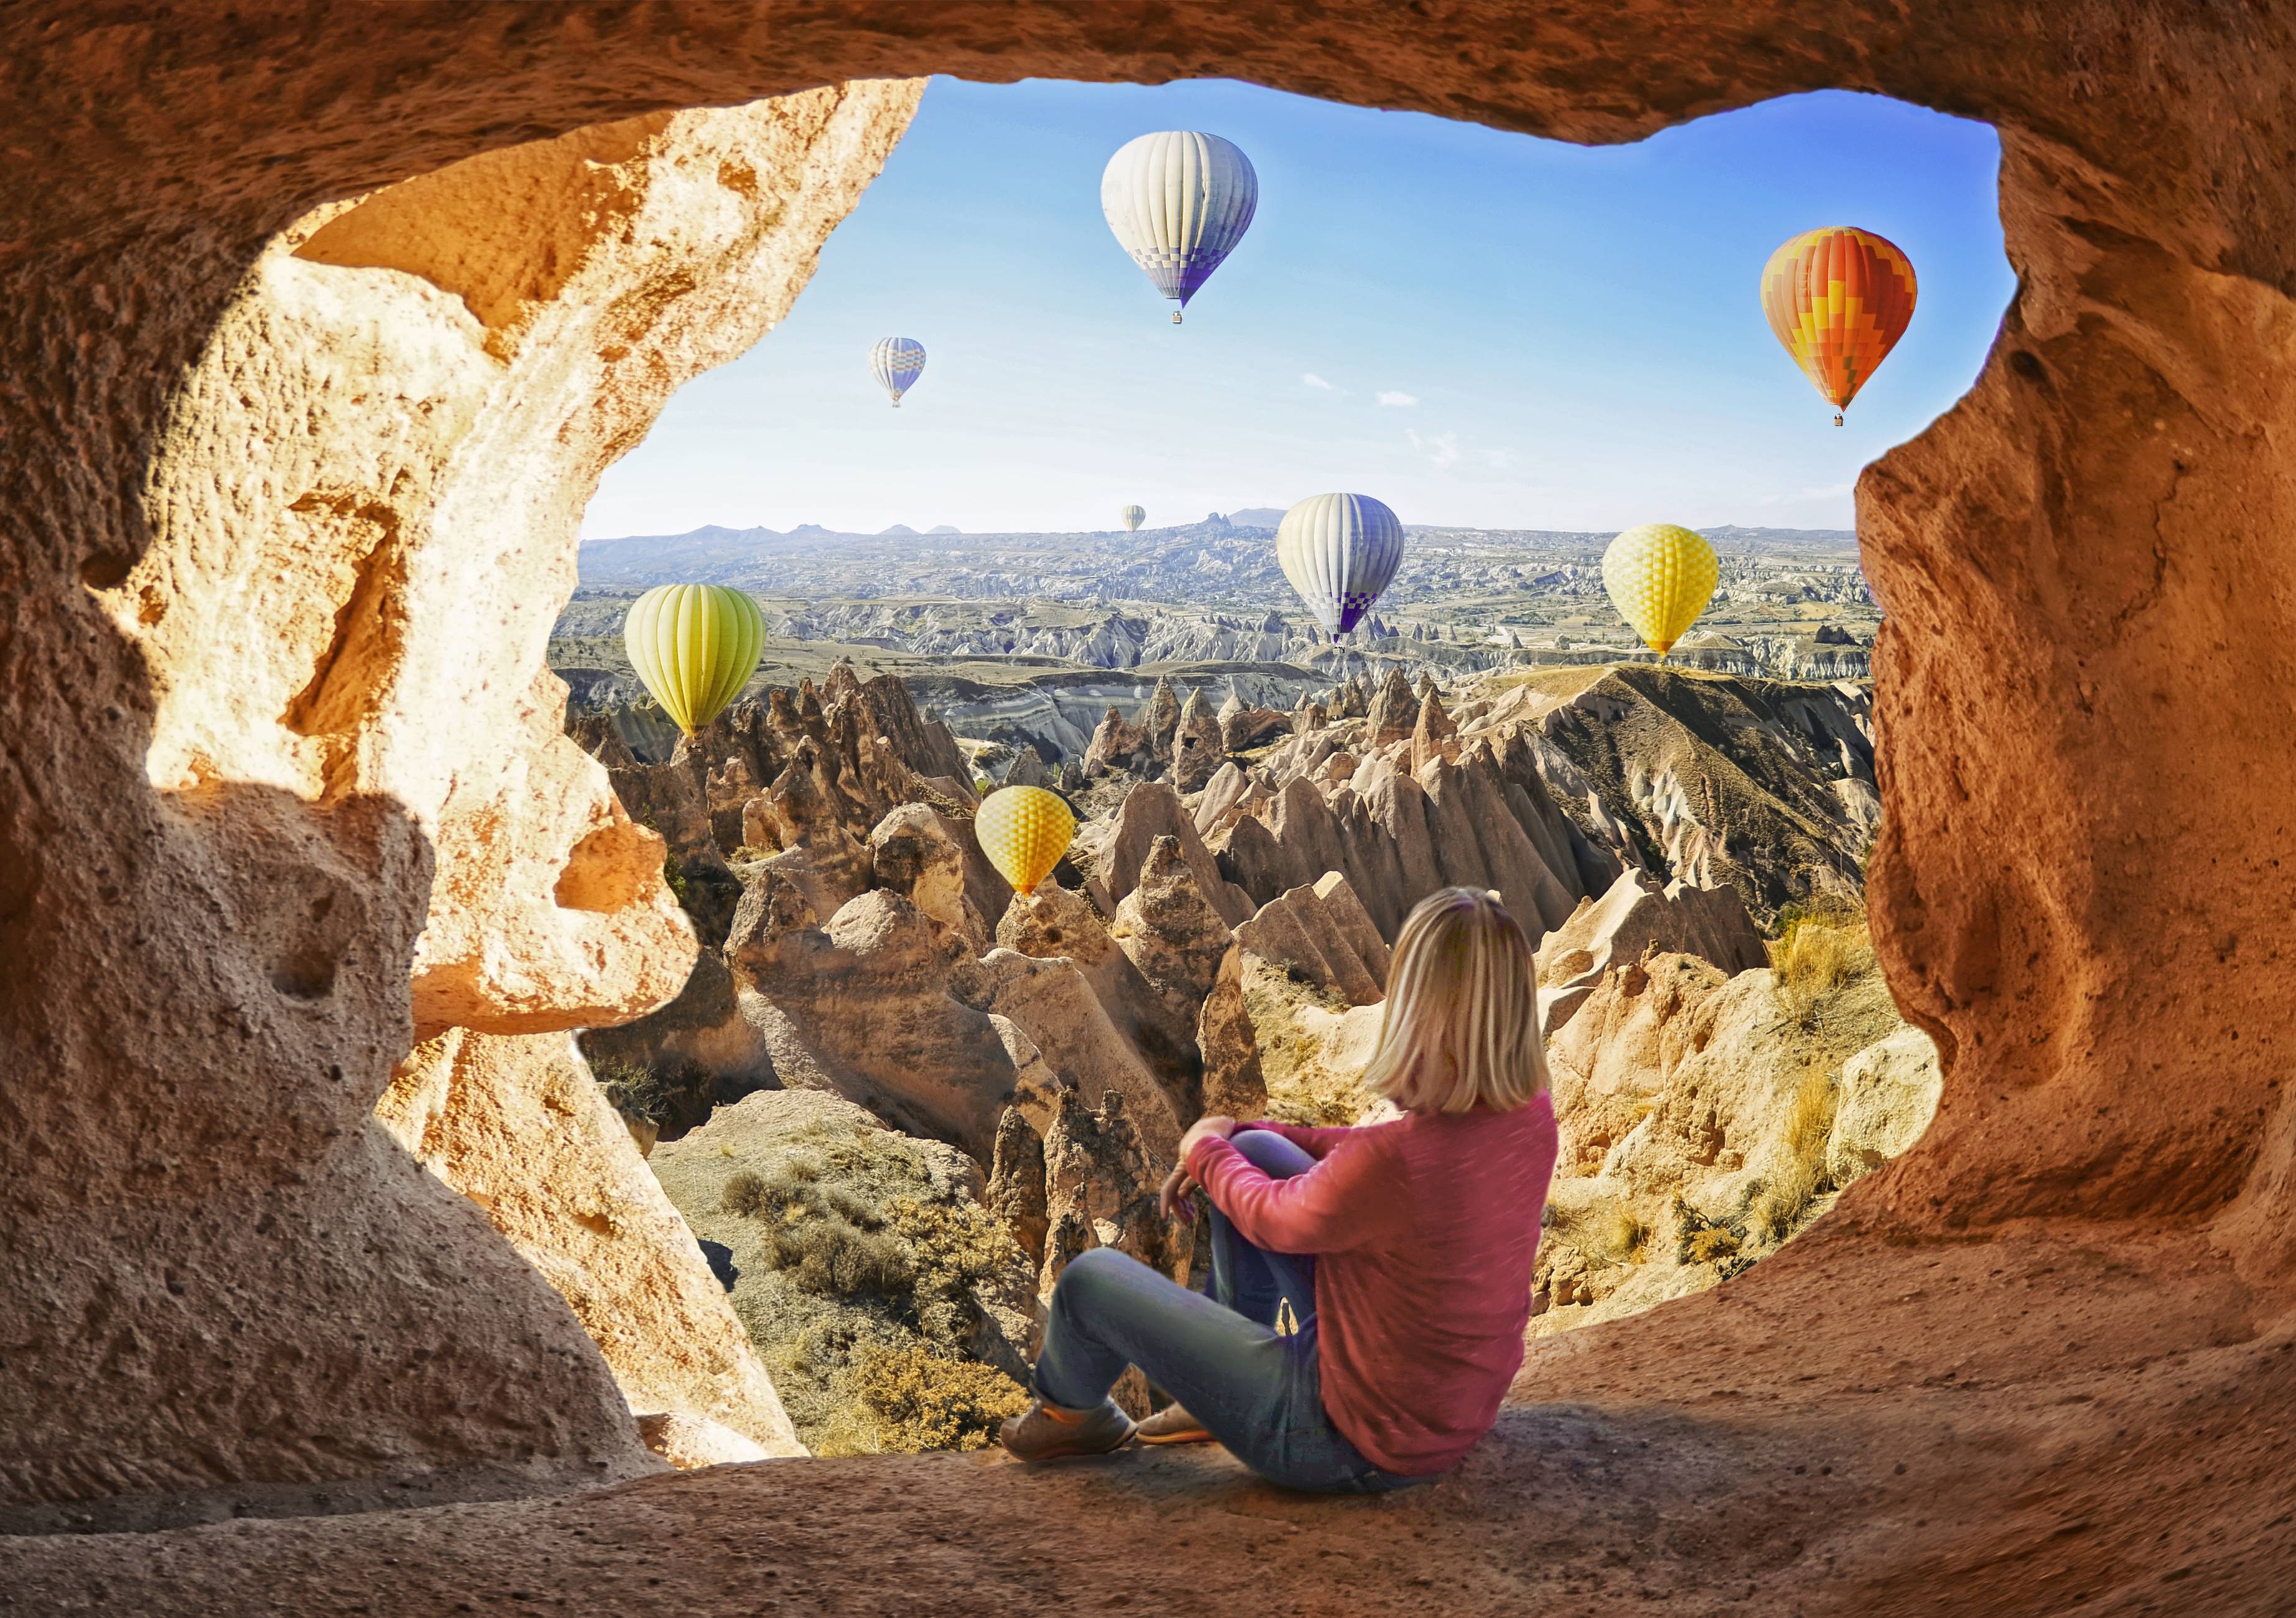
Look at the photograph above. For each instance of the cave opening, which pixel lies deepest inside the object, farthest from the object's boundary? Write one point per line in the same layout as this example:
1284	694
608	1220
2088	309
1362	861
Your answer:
257	779
1735	1158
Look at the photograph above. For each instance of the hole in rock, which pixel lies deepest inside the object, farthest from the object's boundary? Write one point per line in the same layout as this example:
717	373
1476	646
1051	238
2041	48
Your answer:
106	570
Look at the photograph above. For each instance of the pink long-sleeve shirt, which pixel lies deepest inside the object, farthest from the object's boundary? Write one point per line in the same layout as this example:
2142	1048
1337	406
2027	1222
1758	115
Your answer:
1422	1231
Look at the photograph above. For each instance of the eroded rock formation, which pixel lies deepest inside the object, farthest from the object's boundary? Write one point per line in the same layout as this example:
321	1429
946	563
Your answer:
516	1124
294	612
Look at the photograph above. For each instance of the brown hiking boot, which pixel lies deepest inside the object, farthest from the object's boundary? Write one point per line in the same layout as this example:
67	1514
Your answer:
1048	1432
1172	1425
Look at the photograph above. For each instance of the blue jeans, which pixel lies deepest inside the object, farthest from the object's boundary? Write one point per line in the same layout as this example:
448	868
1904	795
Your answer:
1258	1393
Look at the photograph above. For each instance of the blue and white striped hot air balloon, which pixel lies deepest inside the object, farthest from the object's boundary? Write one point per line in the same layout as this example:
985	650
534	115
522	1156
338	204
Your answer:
897	363
1338	551
1178	200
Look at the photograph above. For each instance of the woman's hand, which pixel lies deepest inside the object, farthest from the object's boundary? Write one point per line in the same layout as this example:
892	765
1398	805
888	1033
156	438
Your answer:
1205	1128
1179	1186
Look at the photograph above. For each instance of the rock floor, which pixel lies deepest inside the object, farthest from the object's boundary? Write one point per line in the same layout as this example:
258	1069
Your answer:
2050	1418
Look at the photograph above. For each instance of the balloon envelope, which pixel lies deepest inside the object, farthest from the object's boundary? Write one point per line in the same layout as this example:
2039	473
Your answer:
1133	516
1178	200
897	363
1661	578
1024	831
1838	298
1339	552
694	645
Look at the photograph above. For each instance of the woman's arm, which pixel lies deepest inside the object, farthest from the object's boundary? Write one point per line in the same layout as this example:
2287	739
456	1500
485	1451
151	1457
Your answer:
1314	1142
1351	1199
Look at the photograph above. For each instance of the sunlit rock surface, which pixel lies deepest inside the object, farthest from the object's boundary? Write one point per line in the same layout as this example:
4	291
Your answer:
292	641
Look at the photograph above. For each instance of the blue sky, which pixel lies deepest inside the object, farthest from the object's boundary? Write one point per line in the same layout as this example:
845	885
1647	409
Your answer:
1478	327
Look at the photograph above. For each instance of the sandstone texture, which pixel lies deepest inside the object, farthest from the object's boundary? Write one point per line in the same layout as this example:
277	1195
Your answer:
516	1124
287	627
280	532
1635	916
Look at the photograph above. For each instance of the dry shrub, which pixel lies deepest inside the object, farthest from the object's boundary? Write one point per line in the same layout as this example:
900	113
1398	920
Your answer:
923	1400
952	1248
1609	1234
829	1241
1802	1178
1819	954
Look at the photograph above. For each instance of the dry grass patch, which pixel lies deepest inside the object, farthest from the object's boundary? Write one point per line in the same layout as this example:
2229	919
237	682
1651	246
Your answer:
1819	956
1784	1205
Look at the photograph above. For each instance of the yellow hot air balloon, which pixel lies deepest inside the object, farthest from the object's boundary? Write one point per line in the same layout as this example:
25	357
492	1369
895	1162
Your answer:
1661	578
1838	298
1024	831
694	645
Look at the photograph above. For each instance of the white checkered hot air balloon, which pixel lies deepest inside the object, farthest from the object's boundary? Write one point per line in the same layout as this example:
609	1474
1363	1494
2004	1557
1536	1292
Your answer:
1338	551
897	363
1178	200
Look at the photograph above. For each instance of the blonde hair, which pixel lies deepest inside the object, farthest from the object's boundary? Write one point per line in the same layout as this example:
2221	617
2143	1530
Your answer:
1461	1029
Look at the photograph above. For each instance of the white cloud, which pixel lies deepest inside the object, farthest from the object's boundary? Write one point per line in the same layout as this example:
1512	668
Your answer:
1314	380
1826	491
1393	396
1442	448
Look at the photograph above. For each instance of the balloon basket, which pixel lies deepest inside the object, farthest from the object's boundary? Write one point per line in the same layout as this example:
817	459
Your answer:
1176	316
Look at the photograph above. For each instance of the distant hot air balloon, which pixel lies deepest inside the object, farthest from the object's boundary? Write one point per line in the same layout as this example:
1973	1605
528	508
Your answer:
1178	200
1839	299
694	645
1133	516
1024	831
897	363
1338	551
1659	577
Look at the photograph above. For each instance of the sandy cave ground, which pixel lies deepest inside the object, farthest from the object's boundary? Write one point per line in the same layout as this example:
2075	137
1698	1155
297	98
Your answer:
267	433
2049	1420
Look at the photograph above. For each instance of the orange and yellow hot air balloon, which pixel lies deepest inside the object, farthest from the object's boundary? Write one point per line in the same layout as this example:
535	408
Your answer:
1024	831
1839	299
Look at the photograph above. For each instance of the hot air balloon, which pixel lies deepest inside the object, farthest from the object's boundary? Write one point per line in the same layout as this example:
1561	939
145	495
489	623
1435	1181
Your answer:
694	645
1133	516
1024	831
1178	200
1839	299
897	363
1338	551
1661	578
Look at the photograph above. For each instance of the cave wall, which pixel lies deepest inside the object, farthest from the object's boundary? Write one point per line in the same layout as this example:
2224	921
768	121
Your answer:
307	799
218	859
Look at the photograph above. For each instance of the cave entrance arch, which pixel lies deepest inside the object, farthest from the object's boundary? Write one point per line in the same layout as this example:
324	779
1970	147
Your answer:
2082	539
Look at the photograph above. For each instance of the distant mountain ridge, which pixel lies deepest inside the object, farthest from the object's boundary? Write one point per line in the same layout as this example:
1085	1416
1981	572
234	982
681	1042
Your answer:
1725	536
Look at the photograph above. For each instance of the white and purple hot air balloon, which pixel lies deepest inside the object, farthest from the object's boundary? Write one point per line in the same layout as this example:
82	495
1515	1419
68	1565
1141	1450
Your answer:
897	363
1339	552
1178	200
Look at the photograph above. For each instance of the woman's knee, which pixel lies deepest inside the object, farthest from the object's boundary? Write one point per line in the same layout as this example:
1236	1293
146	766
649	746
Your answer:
1270	1153
1095	1269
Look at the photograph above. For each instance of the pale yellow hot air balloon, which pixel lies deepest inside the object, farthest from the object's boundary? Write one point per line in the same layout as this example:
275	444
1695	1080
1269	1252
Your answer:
1024	831
1660	576
694	645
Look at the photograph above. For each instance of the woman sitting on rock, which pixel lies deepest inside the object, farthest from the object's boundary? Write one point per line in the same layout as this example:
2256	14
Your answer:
1404	1250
